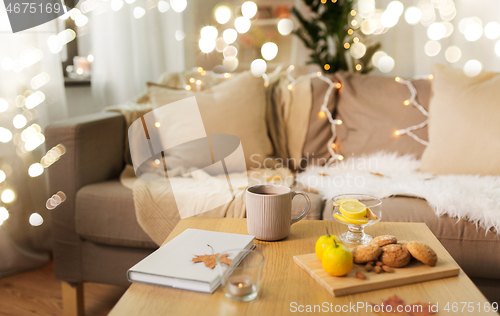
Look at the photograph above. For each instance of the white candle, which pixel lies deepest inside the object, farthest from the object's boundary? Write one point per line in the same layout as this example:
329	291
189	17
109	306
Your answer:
240	285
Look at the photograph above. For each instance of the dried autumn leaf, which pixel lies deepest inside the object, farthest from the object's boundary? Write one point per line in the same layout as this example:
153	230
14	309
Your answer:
224	259
416	309
210	260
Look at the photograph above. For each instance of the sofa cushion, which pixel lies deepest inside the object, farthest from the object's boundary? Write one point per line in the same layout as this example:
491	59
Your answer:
105	213
464	134
475	250
372	109
236	106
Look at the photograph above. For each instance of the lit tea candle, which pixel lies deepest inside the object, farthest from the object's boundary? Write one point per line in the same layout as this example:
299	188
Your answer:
240	285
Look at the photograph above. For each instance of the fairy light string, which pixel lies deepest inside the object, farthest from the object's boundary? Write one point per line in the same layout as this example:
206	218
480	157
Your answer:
413	101
324	112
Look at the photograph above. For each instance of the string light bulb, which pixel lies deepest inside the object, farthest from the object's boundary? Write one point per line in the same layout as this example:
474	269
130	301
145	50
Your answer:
191	80
397	133
227	75
338	85
200	69
187	87
406	102
322	114
431	77
397	79
326	66
338	122
290	87
157	124
356	39
347	45
358	67
340	157
334	1
319	74
353	12
157	161
323	1
333	145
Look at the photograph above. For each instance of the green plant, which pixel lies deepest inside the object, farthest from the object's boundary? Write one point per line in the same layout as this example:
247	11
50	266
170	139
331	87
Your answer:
326	33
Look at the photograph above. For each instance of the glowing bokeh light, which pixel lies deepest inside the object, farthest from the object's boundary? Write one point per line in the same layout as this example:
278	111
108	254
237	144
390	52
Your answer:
472	68
492	30
413	15
231	65
206	44
230	36
386	64
269	50
230	52
209	32
376	57
8	196
36	219
436	31
220	44
285	26
5	135
19	121
178	5
139	12
453	54
432	48
222	14
35	170
163	6
4	105
258	67
249	9
357	50
242	24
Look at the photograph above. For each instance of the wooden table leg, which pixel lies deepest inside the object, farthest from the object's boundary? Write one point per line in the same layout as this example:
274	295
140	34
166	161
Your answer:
72	296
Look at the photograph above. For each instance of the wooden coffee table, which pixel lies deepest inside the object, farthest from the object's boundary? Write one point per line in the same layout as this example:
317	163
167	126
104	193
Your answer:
285	286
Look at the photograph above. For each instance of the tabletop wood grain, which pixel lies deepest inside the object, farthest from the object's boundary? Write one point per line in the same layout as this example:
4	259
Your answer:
287	289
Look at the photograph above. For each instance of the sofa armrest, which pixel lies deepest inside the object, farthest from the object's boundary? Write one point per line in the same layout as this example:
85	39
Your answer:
94	153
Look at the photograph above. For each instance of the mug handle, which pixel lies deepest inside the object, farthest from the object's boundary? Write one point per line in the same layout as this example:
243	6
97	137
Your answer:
301	216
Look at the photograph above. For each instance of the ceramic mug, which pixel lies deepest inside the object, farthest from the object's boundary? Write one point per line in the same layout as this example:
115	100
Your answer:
269	211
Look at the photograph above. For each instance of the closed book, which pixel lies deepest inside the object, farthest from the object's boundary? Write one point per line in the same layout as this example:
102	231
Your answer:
171	265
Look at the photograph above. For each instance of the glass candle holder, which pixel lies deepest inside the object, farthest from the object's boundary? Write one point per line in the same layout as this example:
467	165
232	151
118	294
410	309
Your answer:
240	280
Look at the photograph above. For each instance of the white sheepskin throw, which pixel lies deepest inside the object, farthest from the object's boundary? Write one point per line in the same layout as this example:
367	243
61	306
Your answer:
472	197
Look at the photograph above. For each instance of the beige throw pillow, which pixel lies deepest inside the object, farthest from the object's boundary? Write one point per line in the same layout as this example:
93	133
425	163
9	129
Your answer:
371	109
236	106
464	123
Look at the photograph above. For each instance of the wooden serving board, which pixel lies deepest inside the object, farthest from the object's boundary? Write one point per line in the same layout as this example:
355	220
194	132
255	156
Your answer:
414	272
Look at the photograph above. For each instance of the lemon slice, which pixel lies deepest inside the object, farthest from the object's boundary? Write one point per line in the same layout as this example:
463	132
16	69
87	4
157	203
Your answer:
353	209
340	201
350	220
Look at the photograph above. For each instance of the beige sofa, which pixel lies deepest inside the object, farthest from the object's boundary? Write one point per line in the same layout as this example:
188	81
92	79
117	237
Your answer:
97	238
